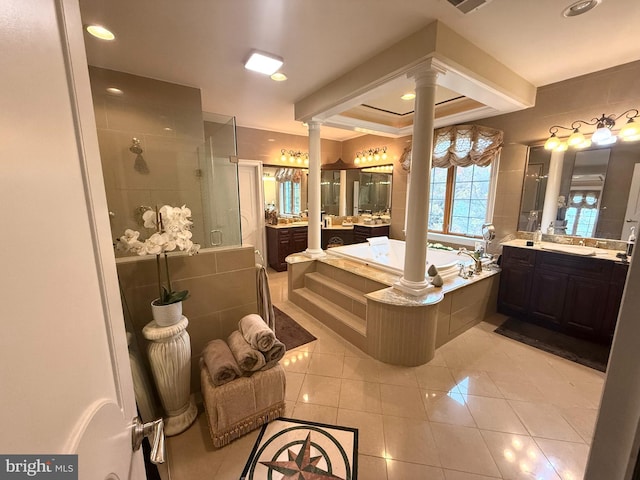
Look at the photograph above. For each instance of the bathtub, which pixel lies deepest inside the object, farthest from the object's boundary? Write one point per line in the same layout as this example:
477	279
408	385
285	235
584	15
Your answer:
388	255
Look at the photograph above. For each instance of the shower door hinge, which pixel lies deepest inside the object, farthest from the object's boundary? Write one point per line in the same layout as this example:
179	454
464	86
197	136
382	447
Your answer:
233	158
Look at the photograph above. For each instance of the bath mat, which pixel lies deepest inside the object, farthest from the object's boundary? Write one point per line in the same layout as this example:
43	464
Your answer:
289	331
288	448
593	355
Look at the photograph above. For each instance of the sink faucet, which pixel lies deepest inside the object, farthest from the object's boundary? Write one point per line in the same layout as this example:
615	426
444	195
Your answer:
476	259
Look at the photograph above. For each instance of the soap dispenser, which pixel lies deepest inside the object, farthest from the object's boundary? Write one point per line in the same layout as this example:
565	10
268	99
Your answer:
537	236
550	229
631	242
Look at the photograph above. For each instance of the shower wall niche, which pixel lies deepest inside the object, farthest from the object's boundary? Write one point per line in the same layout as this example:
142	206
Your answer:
154	152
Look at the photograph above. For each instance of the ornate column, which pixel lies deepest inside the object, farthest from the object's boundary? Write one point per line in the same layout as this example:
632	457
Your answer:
550	208
413	280
314	245
169	354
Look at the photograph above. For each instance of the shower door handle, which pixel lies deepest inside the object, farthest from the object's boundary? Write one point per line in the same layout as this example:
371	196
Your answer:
212	235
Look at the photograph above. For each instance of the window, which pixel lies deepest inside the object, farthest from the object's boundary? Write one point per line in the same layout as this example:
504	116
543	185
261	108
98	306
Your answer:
289	198
582	213
463	178
291	186
459	199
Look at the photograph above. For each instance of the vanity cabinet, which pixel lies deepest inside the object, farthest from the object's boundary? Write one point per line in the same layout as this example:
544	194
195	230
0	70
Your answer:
282	242
362	232
577	295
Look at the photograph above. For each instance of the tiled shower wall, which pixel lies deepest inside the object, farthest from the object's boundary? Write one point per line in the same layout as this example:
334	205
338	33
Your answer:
222	290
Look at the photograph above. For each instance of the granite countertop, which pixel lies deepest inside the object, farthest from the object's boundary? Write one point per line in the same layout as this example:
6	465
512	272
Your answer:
601	253
333	227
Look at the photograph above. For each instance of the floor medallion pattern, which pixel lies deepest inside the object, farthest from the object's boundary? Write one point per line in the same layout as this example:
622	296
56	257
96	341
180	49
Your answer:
288	449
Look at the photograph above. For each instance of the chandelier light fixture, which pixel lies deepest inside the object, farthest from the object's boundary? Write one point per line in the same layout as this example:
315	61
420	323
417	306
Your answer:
294	156
371	155
603	134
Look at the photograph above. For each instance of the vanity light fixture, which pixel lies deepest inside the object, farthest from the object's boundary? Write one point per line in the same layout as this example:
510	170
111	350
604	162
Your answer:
603	134
294	156
100	32
377	154
263	62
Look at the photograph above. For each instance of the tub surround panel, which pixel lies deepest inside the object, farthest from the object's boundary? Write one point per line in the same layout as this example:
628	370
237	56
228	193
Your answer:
401	336
358	303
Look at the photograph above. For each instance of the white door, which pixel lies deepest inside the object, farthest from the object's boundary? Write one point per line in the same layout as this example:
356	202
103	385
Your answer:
64	371
251	204
632	216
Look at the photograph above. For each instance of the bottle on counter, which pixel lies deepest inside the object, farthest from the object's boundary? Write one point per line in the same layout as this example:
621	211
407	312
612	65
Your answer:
537	236
631	242
550	229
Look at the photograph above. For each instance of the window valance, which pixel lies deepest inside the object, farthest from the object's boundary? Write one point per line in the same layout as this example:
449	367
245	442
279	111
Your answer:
289	175
461	146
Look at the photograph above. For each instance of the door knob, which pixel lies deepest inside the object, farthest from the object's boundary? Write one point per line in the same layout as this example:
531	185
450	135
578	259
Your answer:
154	431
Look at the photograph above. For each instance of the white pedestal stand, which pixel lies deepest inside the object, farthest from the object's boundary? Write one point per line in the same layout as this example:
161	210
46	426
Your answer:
170	359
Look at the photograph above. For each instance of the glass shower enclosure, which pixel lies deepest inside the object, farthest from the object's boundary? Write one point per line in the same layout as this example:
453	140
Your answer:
218	169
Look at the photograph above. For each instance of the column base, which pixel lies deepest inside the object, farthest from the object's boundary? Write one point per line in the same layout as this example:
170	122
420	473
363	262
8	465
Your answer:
417	289
175	424
313	253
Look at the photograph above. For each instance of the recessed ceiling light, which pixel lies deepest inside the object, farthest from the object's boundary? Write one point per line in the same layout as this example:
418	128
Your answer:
263	63
168	129
114	91
408	96
271	139
279	77
580	7
100	32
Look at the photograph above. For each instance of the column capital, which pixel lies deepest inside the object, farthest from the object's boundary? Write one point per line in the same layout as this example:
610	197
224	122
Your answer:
426	73
314	124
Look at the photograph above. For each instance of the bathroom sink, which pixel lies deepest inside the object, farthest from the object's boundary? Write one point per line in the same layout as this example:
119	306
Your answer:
571	249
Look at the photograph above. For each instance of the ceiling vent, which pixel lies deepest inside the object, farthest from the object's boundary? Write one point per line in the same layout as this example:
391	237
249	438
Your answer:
467	6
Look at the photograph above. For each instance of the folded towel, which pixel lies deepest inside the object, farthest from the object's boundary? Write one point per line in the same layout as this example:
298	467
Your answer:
256	332
220	362
274	354
249	359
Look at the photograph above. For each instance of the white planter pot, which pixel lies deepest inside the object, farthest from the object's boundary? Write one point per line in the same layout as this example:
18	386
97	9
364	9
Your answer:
166	315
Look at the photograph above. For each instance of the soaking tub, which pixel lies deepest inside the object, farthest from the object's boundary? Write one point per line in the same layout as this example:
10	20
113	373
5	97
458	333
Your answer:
388	255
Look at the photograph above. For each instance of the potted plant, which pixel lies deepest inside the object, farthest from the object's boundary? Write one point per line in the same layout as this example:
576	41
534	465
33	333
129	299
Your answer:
172	227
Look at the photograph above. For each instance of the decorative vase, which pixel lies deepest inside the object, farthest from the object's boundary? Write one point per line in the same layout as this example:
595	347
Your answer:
166	315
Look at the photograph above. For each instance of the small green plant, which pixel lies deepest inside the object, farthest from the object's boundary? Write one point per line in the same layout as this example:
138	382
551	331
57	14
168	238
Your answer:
172	227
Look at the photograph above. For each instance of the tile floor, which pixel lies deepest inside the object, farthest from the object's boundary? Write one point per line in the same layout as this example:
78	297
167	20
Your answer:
485	407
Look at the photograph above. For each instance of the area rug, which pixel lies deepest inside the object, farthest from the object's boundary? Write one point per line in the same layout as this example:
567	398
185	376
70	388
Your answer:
289	331
590	354
297	450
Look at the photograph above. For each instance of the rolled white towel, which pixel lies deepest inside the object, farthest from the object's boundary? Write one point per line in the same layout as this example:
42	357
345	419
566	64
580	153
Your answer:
256	332
378	241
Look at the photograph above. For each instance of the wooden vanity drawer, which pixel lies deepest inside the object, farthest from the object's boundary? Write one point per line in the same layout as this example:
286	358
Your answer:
518	256
575	265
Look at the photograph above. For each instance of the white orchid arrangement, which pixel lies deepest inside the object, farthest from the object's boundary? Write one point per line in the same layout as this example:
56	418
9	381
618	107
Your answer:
172	227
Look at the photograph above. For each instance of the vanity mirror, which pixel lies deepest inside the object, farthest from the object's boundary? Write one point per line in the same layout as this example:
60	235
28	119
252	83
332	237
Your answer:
593	192
356	191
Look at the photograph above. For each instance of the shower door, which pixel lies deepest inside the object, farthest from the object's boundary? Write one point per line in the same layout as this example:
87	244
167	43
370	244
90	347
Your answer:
218	167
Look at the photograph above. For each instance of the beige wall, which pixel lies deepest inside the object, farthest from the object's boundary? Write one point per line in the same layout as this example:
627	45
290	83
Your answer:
220	283
146	109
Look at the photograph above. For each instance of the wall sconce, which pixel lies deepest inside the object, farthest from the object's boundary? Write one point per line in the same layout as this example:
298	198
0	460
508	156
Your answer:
603	135
373	154
294	156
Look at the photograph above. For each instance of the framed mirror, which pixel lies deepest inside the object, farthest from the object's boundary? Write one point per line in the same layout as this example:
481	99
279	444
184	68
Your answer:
589	193
285	190
356	191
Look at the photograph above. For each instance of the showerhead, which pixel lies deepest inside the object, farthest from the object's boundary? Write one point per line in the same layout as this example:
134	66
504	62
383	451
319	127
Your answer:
140	165
135	147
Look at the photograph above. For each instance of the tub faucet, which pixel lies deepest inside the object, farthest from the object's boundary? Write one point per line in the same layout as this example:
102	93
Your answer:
476	259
